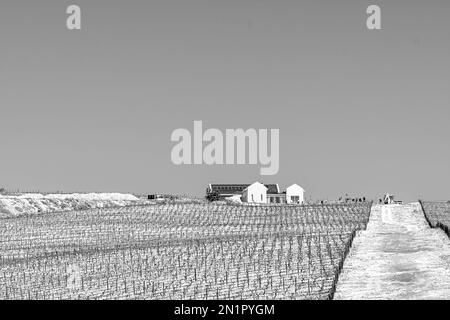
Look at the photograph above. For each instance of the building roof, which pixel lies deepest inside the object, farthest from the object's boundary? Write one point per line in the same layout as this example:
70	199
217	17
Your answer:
296	186
238	188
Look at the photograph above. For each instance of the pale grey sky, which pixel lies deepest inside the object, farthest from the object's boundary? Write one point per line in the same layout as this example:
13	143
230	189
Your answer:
359	112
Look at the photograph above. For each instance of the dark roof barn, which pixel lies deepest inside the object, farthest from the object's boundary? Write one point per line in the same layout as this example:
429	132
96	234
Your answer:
231	189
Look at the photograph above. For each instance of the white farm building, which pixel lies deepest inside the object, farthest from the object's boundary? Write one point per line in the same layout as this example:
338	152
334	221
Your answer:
255	193
295	194
259	193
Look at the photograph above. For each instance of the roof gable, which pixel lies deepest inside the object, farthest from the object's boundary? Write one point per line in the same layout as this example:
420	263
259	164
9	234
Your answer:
295	187
256	185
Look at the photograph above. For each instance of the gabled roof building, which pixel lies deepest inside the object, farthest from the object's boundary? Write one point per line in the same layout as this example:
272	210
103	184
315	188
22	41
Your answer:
259	193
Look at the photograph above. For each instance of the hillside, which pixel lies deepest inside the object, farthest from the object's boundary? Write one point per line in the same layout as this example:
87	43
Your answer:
32	203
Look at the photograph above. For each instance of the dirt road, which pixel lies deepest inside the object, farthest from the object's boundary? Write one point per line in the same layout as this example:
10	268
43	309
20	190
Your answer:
398	257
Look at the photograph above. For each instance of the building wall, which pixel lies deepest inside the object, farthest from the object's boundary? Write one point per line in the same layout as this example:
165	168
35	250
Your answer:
295	191
256	193
276	198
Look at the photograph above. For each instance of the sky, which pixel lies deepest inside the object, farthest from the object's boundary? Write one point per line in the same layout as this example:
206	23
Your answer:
362	112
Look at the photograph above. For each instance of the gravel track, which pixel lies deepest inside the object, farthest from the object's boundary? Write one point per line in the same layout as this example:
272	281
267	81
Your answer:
398	257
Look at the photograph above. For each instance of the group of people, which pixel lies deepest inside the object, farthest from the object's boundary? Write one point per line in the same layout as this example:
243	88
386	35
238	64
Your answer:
345	200
352	200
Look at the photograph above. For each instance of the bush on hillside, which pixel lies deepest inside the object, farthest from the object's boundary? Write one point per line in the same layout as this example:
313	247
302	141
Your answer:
212	196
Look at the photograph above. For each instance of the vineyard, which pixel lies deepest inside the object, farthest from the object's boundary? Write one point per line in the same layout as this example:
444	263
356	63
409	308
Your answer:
437	214
179	251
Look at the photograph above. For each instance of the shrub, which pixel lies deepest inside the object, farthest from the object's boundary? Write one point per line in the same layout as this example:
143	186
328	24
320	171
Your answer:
213	196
